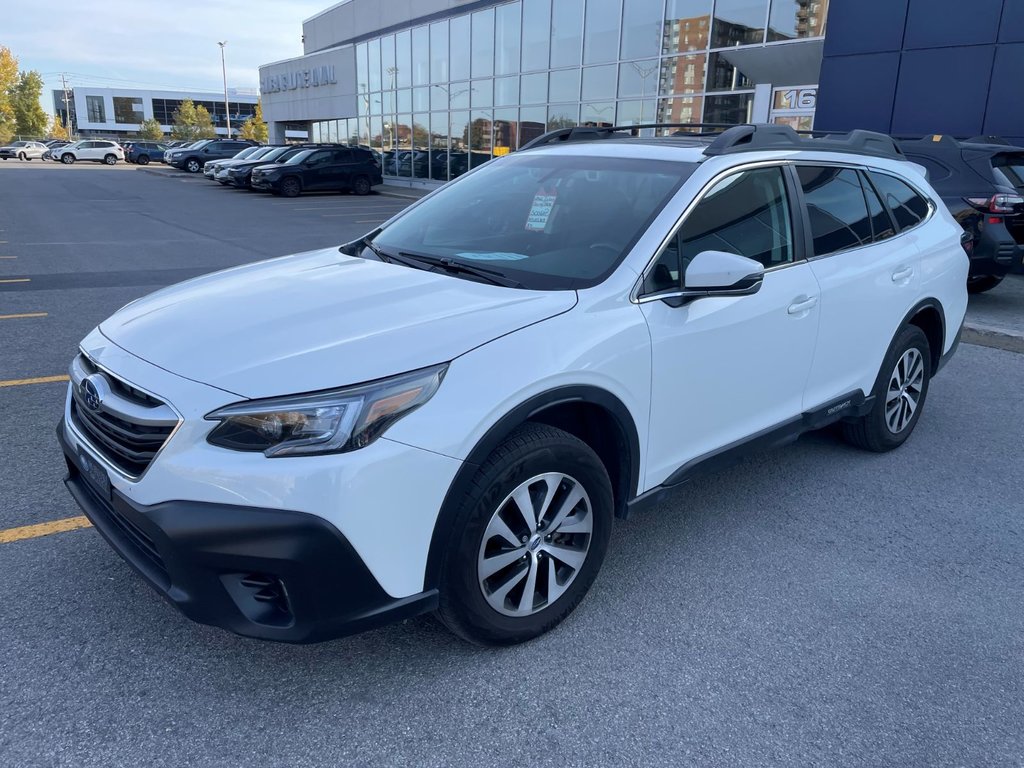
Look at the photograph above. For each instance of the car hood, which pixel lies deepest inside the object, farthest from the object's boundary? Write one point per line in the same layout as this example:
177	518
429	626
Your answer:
319	320
268	167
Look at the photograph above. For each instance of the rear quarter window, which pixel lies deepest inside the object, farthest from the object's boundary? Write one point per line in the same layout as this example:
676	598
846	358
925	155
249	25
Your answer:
908	208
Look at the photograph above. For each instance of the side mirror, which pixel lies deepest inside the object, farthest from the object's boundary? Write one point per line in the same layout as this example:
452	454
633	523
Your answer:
718	271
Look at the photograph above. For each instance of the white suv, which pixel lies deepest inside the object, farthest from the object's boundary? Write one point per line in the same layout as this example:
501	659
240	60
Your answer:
100	151
447	414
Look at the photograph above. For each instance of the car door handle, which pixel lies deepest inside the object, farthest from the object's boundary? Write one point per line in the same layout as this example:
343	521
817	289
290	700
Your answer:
802	305
904	273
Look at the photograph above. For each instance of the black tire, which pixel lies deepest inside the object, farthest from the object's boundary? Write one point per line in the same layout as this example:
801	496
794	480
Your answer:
983	283
192	165
110	159
361	186
530	450
142	160
22	156
290	187
871	432
67	158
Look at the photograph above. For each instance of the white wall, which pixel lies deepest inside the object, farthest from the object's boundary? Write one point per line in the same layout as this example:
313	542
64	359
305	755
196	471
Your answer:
108	94
290	95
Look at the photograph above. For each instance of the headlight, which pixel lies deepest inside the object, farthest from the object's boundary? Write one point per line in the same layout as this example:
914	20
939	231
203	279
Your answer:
324	422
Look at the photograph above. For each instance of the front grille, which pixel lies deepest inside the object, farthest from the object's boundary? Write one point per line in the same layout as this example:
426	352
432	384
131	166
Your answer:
127	444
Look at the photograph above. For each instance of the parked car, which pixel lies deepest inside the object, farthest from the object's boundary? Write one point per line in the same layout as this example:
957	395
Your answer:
100	151
23	150
240	174
222	171
982	184
192	158
51	146
315	170
447	413
192	145
210	166
145	152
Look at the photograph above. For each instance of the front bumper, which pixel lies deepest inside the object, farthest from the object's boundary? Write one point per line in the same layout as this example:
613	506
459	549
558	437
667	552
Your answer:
263	573
264	183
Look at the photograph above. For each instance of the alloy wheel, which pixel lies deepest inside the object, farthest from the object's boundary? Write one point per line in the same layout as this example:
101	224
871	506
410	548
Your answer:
904	394
535	544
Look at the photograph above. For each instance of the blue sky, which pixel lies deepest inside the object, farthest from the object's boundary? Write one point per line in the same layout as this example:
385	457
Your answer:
145	44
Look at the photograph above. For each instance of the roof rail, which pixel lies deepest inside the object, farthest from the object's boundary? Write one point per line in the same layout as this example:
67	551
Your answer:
750	138
597	133
729	138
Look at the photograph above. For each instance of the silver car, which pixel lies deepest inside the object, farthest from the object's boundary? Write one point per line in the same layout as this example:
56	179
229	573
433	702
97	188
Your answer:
23	150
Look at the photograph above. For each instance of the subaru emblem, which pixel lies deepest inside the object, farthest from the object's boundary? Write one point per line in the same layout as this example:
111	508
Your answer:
90	390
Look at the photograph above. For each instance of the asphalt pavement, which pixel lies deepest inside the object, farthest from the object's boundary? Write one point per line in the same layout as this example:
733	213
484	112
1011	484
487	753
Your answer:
815	605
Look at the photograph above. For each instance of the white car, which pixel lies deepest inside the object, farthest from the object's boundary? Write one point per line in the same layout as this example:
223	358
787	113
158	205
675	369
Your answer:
23	150
97	150
447	414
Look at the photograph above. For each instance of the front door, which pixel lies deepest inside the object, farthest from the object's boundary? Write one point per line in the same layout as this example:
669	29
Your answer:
727	367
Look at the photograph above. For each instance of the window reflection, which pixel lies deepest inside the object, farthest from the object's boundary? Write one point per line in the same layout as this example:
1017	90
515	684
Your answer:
536	34
687	25
482	93
641	28
636	112
480	137
731	109
724	76
791	19
460	65
599	82
389	72
566	33
738	22
564	85
532	123
361	70
483	43
534	88
639	78
458	154
601	31
506	131
403	59
600	113
506	39
373	65
420	56
563	116
683	74
506	91
439	52
680	109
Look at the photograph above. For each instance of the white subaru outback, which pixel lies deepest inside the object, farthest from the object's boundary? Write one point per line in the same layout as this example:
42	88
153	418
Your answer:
447	414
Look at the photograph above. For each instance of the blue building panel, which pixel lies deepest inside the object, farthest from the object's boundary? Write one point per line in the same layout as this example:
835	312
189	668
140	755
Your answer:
943	90
1011	30
865	26
940	23
1005	114
860	92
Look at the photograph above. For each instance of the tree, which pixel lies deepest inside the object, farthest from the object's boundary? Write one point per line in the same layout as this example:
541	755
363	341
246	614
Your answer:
8	82
151	130
204	124
57	129
30	117
254	128
184	128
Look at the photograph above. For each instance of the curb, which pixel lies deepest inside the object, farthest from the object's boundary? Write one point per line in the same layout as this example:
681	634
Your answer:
989	336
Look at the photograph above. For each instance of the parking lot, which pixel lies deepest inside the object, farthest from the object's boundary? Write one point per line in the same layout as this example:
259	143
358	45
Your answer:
815	605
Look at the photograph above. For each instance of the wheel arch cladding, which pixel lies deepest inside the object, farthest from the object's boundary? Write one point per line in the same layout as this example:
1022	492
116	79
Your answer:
593	415
927	316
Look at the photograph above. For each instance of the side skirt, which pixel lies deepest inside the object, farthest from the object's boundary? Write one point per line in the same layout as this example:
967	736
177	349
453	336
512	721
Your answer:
848	406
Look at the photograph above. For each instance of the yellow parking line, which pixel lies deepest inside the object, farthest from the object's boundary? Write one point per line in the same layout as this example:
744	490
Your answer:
23	315
39	380
18	280
44	529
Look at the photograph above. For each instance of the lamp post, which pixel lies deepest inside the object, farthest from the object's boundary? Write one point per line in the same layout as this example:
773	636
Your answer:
224	71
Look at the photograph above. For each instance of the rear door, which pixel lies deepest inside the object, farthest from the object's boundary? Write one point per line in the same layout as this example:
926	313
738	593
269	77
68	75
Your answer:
868	270
317	173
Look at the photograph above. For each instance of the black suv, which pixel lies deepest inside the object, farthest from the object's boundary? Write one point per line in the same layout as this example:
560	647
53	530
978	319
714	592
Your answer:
240	173
981	181
193	158
320	169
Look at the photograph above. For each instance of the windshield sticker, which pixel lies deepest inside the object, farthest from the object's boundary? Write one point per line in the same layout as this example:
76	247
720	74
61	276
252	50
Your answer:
492	256
540	211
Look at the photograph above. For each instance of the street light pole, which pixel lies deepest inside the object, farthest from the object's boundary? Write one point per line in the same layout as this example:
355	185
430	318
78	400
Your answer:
224	71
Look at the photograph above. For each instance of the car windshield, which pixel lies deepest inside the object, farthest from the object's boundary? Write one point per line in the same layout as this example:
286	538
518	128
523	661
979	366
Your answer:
299	157
1012	167
549	222
275	153
247	152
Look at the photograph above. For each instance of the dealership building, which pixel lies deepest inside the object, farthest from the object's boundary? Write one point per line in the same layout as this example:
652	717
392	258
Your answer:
440	86
118	112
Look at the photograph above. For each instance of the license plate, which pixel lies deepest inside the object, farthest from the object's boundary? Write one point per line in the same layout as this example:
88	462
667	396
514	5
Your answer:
94	474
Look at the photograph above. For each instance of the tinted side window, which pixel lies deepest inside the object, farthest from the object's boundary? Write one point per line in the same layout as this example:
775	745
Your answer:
747	214
908	207
319	159
881	223
836	208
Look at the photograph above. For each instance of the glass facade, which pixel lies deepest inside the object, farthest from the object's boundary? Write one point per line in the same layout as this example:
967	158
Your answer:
438	99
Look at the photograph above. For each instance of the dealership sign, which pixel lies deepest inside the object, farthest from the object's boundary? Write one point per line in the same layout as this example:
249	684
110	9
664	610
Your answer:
310	77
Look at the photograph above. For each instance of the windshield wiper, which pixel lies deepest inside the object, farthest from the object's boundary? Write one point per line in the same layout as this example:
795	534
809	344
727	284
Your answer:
457	267
377	251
